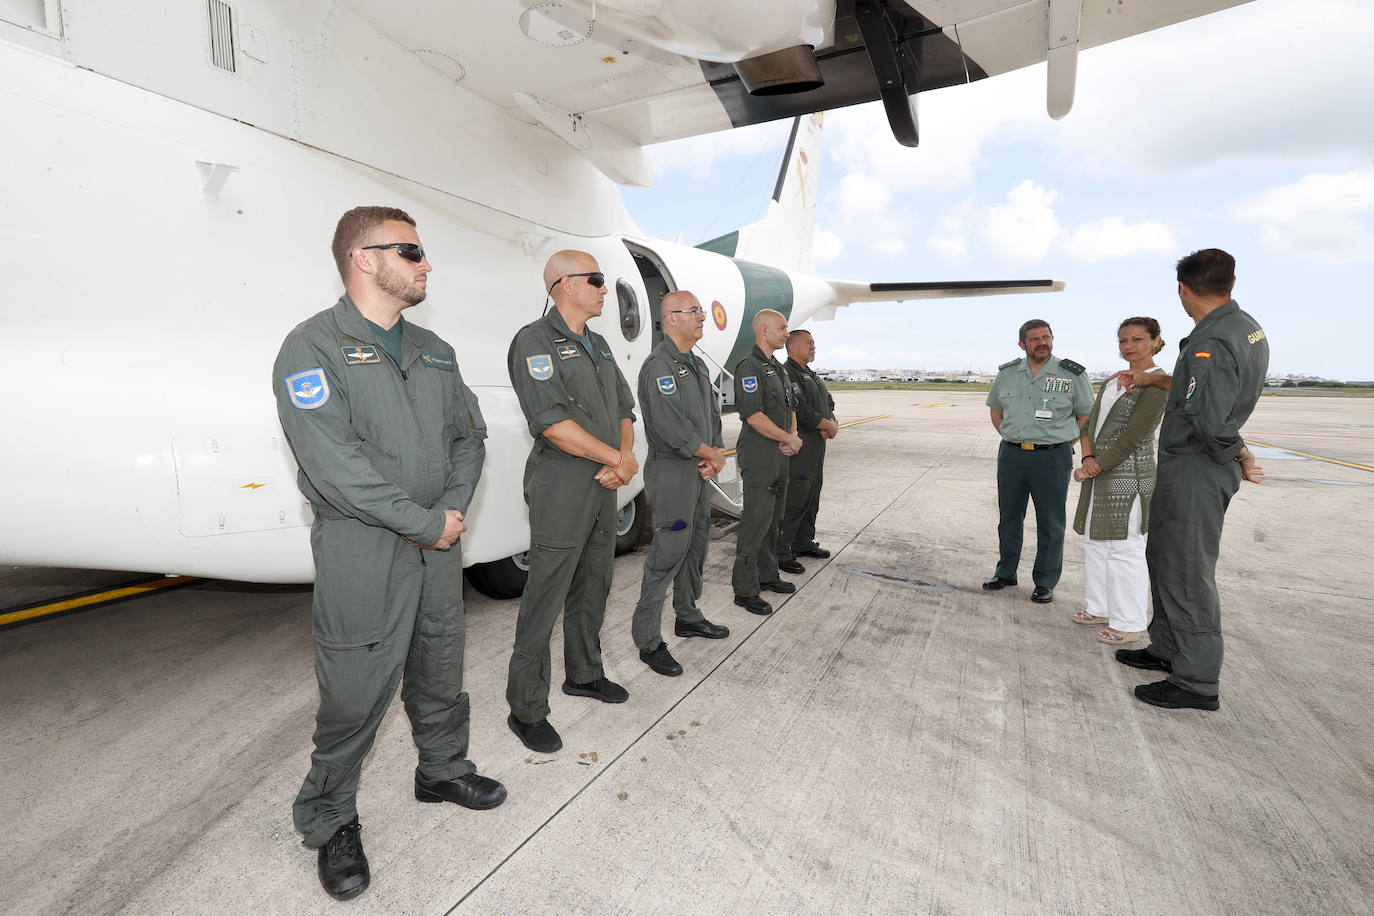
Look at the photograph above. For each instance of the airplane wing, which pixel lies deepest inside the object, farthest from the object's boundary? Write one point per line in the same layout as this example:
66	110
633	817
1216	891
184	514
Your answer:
847	291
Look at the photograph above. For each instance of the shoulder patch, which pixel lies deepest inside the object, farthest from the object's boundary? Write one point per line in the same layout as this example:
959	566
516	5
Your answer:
359	356
437	360
1202	354
1008	364
666	385
308	389
541	367
1071	366
750	384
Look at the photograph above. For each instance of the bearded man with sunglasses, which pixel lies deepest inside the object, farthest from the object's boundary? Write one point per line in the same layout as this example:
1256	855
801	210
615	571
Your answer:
581	415
389	443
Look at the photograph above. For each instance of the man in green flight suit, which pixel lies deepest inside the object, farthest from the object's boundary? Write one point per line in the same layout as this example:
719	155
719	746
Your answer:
815	424
1216	383
682	424
767	438
581	414
389	443
1037	405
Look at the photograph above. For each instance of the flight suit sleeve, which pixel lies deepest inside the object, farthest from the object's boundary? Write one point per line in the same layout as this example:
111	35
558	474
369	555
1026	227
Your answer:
1213	381
717	431
467	451
327	448
669	418
828	401
747	402
624	395
808	414
538	382
1149	410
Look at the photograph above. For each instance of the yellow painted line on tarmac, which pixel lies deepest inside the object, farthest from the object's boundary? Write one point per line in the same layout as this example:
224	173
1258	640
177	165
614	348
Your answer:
729	452
1280	448
71	604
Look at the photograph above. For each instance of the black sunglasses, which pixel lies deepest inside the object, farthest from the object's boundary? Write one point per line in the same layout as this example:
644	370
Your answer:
408	250
596	278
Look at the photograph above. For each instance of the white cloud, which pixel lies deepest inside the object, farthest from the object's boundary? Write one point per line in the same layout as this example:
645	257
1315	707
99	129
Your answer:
1113	237
1022	230
826	245
1316	217
950	237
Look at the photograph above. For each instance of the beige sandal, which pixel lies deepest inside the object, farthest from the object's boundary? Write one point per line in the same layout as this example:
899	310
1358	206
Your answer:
1085	617
1116	637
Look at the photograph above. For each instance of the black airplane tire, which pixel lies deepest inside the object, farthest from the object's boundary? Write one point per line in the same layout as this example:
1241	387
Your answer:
501	579
632	526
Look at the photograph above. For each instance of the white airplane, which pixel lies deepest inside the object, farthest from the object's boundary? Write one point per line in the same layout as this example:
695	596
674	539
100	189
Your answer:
174	172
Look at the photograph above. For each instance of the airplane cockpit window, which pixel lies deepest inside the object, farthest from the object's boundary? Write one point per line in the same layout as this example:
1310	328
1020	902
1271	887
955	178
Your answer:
630	322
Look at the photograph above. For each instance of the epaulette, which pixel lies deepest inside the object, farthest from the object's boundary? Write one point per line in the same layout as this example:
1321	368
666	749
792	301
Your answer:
1008	364
1072	366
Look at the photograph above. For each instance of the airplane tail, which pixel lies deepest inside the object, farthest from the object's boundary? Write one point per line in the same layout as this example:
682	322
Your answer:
783	238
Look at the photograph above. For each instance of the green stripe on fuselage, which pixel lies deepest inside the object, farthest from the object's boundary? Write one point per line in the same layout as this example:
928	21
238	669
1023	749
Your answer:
764	288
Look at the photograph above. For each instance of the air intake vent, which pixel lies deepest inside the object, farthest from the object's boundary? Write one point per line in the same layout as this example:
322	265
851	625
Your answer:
222	36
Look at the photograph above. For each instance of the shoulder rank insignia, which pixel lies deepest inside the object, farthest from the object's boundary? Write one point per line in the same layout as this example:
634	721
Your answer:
359	356
541	367
569	351
1008	364
308	389
749	383
666	385
1070	366
437	361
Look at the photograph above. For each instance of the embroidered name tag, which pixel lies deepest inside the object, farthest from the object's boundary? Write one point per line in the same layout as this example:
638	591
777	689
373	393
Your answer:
359	356
437	361
606	354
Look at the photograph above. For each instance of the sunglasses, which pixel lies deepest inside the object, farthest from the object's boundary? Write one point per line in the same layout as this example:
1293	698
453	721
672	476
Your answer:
595	278
408	250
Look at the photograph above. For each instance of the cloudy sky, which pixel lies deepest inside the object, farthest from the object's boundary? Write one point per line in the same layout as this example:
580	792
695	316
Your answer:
1250	130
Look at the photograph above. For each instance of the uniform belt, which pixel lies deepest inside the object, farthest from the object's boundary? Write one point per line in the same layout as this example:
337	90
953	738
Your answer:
1032	446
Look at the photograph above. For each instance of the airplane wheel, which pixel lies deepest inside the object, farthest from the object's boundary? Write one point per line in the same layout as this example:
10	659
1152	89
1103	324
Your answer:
501	578
632	525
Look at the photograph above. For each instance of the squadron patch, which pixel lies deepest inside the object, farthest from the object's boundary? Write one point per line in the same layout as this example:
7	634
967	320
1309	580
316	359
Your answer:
437	361
359	356
541	367
1192	384
666	385
749	383
569	351
308	389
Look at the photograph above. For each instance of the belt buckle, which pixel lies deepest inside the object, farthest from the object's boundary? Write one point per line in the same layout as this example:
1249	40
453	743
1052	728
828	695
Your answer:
1027	446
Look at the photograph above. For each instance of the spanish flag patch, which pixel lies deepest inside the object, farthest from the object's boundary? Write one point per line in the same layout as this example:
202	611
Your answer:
1203	354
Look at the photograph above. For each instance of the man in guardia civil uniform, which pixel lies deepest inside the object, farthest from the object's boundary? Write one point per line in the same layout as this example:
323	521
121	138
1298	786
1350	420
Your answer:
682	424
1037	405
767	438
389	443
581	414
1216	383
805	470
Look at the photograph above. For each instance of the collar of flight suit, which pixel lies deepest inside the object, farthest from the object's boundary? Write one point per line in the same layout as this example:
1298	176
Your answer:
353	323
1214	316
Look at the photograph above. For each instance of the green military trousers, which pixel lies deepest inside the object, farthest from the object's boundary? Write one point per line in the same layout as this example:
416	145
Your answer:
681	504
1189	505
765	498
1042	475
805	471
576	579
384	613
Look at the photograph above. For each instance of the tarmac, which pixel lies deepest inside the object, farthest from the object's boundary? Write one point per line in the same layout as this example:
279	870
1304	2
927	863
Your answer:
893	739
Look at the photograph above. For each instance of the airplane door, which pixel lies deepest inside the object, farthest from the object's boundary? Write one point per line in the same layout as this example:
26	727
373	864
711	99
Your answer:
658	282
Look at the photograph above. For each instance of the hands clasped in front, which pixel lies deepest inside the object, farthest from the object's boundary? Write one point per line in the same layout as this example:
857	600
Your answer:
613	477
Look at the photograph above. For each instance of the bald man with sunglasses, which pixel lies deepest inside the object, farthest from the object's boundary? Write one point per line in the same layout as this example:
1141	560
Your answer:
581	414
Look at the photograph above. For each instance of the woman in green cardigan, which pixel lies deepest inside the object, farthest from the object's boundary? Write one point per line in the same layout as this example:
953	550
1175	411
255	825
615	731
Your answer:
1118	476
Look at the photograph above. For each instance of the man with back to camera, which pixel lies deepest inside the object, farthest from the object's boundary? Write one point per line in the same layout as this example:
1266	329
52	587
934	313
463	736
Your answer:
682	424
1037	405
389	443
767	438
581	414
1217	381
815	424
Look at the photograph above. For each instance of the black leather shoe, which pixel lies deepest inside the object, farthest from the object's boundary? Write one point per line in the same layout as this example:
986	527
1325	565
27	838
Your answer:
1141	658
779	586
997	582
470	791
701	627
793	567
819	553
661	660
1172	696
537	736
603	689
342	865
753	604
1042	595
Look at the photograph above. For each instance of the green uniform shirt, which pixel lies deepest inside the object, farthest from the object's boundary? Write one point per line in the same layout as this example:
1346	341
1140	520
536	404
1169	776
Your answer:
1059	391
678	403
761	384
389	444
1217	381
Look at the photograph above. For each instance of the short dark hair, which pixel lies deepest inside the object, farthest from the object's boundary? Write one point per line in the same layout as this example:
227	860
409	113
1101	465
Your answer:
355	229
1150	327
1208	272
1032	325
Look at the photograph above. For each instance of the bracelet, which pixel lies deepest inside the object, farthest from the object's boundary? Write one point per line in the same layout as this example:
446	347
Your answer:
1086	457
618	463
